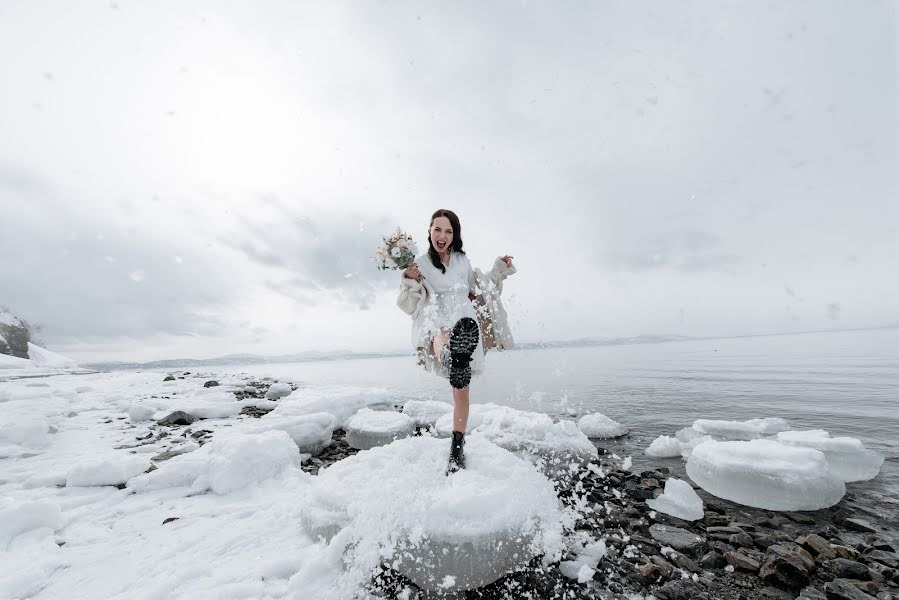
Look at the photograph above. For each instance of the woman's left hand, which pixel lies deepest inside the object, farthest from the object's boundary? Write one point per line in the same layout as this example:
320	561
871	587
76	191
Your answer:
508	260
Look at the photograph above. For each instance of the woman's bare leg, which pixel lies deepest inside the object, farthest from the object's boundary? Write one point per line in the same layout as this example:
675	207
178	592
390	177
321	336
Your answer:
440	341
460	408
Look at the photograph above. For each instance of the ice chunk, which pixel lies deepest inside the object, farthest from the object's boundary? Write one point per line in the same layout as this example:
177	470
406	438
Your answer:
278	390
765	474
599	426
343	403
664	446
395	503
476	415
848	458
115	469
30	432
228	463
741	430
370	428
41	357
426	412
679	500
311	433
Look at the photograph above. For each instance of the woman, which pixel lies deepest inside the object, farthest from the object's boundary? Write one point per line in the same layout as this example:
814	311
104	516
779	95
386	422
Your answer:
440	290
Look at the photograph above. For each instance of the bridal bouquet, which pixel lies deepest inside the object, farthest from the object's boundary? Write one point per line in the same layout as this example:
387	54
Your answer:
397	252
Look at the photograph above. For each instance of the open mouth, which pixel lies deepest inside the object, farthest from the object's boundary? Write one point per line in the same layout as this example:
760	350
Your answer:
441	245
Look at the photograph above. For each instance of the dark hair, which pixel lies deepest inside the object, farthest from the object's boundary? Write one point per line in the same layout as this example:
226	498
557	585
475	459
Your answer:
456	246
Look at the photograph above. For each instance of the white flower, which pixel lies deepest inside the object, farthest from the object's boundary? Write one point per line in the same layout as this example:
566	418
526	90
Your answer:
390	263
395	252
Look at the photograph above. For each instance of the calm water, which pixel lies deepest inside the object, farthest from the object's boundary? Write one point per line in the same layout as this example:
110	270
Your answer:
846	383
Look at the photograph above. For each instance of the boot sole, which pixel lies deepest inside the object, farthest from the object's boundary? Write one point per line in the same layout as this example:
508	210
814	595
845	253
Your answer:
463	341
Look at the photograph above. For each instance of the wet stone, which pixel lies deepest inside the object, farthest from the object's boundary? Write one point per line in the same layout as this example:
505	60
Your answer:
842	589
847	569
785	571
177	418
677	538
742	562
859	525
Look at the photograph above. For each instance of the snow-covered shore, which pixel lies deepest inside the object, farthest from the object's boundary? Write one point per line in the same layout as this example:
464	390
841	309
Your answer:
102	499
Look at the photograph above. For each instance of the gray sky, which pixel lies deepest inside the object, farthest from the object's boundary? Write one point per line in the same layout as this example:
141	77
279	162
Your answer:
196	179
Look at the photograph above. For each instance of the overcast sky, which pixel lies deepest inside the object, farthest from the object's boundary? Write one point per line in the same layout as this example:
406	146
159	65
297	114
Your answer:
192	179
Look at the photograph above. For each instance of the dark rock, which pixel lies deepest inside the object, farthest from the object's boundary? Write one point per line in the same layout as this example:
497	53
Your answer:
681	589
784	571
677	538
742	539
859	525
712	560
763	541
210	384
177	418
715	520
817	545
841	589
773	593
169	378
800	518
170	519
742	562
846	552
685	563
652	573
847	569
885	558
811	593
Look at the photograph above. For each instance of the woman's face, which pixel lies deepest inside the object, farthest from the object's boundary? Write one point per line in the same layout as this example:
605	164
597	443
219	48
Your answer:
441	234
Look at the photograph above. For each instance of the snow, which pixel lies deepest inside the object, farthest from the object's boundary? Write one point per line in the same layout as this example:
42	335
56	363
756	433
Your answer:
22	518
114	469
678	500
479	523
140	412
229	463
41	357
765	474
848	458
14	362
311	433
278	390
741	430
342	402
599	426
426	412
664	446
370	428
8	319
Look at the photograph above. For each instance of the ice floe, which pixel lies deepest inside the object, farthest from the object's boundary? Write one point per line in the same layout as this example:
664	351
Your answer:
664	446
342	402
765	474
741	430
848	458
426	412
370	428
678	500
599	426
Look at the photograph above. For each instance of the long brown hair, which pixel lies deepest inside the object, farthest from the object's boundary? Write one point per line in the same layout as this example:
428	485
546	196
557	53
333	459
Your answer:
456	246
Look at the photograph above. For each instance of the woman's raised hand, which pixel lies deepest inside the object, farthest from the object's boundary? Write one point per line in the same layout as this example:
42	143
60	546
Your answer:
508	260
412	271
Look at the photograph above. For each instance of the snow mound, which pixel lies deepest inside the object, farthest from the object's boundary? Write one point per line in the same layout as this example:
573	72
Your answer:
41	357
848	458
278	390
599	426
664	446
140	412
426	412
31	432
115	469
370	428
22	518
765	474
395	503
679	500
229	463
741	430
343	403
14	362
311	433
476	415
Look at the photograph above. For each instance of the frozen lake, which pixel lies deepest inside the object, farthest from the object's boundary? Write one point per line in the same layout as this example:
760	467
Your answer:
844	382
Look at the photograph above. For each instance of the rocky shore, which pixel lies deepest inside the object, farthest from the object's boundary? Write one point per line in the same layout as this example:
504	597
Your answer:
733	552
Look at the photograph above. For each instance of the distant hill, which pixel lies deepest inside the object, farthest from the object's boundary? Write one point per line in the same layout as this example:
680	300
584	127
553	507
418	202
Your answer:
14	335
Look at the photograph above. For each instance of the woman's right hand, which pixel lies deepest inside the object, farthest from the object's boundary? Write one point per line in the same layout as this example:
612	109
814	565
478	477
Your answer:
412	271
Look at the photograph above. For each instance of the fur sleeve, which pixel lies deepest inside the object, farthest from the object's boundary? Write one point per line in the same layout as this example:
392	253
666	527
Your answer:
500	271
412	293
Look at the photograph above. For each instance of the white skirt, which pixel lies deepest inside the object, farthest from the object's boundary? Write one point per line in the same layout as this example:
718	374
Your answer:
442	315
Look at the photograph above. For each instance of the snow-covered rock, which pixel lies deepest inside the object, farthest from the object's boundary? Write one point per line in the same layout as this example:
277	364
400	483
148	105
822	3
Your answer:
599	426
765	474
140	412
848	458
229	463
311	433
343	403
741	430
371	428
426	412
41	357
664	446
679	500
445	534
278	390
114	469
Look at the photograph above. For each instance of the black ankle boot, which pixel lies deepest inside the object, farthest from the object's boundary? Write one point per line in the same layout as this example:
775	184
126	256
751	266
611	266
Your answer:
462	343
457	457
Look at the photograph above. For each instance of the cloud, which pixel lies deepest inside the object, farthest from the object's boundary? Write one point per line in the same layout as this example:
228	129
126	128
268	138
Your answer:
686	251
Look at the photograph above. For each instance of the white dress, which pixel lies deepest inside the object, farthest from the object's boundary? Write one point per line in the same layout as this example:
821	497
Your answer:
449	304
